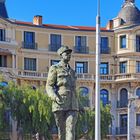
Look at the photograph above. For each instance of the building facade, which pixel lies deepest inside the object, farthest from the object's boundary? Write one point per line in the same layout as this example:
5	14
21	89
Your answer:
28	49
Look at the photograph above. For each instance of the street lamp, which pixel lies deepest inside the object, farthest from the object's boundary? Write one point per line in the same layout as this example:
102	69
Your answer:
130	103
97	88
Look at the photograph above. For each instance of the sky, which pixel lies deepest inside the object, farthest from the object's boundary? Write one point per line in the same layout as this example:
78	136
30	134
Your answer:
65	12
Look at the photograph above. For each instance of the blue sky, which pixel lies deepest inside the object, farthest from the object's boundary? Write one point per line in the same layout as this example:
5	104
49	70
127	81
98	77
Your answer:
64	12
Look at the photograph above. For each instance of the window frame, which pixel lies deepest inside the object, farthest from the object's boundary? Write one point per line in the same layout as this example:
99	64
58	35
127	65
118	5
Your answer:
30	66
104	69
83	69
123	43
137	121
122	67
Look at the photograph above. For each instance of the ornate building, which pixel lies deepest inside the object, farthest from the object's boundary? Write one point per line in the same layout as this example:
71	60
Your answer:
28	49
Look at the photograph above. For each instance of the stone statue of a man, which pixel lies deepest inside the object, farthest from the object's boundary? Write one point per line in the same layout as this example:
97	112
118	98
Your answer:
61	88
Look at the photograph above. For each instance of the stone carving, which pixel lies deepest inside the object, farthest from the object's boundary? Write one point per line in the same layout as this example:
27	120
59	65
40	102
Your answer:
61	88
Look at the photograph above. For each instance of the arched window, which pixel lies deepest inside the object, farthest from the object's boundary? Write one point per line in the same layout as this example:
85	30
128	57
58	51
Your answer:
84	91
84	96
138	92
104	96
123	97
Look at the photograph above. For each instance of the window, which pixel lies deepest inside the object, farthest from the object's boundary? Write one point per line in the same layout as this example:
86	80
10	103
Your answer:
123	123
81	44
84	97
104	45
104	68
81	67
123	98
2	34
137	66
55	42
3	61
30	64
123	41
104	96
80	41
123	67
138	92
29	40
53	62
137	119
138	43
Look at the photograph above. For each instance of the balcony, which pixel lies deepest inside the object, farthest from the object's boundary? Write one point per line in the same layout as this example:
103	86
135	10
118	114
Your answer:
122	104
105	50
121	131
86	76
32	74
54	47
117	131
137	48
81	49
27	45
126	76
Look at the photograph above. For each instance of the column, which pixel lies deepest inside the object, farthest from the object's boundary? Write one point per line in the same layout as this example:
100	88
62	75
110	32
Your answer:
113	98
131	115
13	61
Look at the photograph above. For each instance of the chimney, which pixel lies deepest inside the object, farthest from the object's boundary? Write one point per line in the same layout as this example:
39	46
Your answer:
110	25
37	20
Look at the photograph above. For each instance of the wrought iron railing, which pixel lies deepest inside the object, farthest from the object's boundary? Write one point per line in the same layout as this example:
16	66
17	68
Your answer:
27	45
54	47
81	49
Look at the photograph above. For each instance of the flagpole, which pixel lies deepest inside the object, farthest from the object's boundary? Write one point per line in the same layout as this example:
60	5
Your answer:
97	88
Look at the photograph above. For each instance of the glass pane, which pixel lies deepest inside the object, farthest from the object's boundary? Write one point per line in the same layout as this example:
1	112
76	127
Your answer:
104	68
123	41
138	92
123	120
104	96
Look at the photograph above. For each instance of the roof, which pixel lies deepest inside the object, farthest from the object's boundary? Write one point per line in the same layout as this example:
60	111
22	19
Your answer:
129	13
3	11
63	27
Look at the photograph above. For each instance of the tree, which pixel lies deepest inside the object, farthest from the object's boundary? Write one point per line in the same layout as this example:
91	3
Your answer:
86	120
30	108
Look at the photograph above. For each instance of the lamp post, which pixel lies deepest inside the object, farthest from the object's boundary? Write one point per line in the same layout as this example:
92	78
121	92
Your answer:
130	104
97	88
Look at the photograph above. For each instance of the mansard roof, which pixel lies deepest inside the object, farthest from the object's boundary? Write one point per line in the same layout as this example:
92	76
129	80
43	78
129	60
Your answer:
129	13
3	11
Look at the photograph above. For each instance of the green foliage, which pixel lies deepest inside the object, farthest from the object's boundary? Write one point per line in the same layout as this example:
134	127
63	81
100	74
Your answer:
86	120
30	108
32	111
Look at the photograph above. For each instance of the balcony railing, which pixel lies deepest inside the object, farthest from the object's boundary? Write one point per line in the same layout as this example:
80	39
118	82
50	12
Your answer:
80	76
5	39
121	131
27	45
105	50
122	104
54	47
81	49
138	48
35	74
117	131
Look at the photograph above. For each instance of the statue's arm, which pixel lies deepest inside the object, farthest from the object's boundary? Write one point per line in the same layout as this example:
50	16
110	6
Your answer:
51	81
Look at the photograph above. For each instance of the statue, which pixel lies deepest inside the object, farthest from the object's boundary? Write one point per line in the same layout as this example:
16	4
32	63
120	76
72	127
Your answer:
61	88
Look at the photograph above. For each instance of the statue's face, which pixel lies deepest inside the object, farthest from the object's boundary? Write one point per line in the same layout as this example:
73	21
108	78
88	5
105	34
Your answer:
66	56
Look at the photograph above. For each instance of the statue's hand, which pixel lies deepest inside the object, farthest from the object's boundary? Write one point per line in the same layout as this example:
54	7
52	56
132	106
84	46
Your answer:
59	101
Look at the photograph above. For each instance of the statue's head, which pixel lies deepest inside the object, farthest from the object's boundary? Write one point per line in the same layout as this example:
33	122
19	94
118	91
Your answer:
63	49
